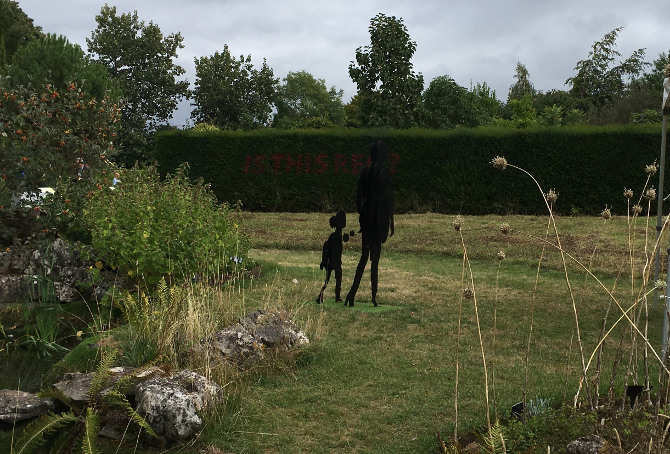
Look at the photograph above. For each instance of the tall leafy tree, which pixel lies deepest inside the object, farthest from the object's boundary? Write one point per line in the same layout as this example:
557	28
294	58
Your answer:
16	29
389	89
231	94
600	78
523	85
141	59
305	102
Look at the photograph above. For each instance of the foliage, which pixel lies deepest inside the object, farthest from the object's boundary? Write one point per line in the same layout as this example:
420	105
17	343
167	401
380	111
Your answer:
647	116
599	79
232	94
389	89
141	59
149	229
54	60
54	138
303	101
523	85
77	430
441	171
523	112
446	104
16	29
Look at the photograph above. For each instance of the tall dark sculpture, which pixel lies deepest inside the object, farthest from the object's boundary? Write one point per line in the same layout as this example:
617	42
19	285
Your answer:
331	256
374	203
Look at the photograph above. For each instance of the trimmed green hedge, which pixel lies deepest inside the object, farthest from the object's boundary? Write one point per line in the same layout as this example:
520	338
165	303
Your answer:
439	171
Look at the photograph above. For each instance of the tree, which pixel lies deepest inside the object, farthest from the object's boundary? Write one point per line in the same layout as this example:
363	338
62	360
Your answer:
16	29
231	93
140	58
522	86
389	89
304	102
54	60
599	80
446	104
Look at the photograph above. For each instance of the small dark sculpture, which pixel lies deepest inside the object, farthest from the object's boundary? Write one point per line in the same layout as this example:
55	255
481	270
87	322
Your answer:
331	256
374	203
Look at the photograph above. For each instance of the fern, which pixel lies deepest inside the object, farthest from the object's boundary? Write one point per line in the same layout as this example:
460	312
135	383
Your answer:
118	400
35	434
92	427
101	376
55	393
495	441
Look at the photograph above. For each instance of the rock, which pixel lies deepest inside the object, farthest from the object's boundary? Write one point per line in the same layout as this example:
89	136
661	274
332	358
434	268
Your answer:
257	332
592	444
75	385
171	404
12	288
18	406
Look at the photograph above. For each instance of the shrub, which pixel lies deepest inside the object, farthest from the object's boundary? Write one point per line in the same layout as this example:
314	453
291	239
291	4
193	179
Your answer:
54	138
149	229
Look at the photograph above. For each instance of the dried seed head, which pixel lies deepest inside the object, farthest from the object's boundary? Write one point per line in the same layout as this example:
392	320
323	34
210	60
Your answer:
606	214
499	162
551	196
637	209
458	223
504	228
501	255
628	193
666	71
468	293
650	194
651	169
660	284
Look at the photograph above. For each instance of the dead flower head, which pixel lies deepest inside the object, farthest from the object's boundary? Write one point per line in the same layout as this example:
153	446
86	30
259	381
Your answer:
458	223
628	193
637	209
551	196
651	169
650	194
499	162
504	228
660	284
501	255
468	293
606	214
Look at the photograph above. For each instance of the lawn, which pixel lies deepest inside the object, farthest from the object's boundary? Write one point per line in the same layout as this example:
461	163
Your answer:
384	379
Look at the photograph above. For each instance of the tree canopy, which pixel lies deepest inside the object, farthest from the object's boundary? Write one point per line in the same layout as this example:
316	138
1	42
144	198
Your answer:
231	94
141	59
16	29
305	102
389	89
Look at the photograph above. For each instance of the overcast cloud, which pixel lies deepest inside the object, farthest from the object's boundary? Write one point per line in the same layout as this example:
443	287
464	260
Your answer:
470	40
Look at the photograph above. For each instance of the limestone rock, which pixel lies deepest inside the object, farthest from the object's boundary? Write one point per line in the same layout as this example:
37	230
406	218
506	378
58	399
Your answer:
18	406
257	332
171	404
592	444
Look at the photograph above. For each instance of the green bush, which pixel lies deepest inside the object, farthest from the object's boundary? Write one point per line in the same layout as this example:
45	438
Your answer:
149	229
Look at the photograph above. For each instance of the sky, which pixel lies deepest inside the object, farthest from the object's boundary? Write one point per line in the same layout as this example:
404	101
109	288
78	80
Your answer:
472	41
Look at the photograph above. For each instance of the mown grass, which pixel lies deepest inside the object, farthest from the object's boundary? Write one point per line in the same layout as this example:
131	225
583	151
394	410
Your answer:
384	381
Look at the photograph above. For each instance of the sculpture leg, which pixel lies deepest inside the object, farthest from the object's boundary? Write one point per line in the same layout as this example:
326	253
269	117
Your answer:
319	299
358	276
338	283
375	253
